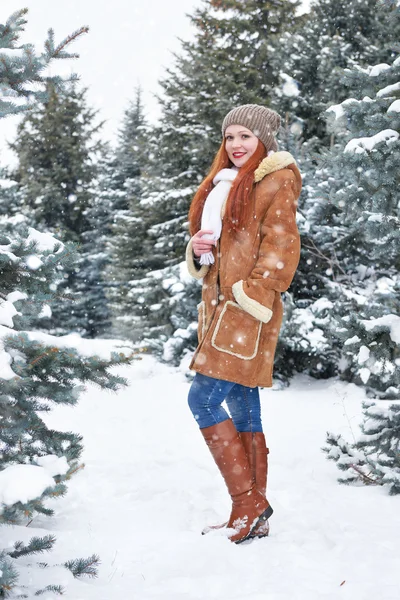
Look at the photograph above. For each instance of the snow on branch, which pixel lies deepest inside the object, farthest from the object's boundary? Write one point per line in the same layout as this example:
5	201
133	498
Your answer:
367	144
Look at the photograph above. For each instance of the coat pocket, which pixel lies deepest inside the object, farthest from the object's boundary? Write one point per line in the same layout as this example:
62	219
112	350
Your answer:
201	328
237	332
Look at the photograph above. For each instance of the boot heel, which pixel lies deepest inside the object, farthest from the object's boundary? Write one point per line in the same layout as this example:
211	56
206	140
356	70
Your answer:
265	516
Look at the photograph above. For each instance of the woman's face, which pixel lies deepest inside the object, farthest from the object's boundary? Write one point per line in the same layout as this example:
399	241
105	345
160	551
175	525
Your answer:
240	144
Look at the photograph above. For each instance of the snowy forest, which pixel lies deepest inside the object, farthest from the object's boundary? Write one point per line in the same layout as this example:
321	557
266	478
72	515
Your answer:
93	237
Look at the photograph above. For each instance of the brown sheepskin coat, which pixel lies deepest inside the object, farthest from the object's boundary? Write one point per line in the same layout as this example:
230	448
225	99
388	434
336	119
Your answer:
241	309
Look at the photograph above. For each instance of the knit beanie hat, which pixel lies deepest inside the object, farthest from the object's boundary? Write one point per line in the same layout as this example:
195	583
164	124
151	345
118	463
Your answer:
262	121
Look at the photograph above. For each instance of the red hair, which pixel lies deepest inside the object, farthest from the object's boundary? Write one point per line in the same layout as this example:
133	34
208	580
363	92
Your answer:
238	207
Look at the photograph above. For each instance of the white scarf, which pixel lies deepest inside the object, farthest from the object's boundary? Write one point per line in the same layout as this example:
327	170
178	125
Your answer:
211	217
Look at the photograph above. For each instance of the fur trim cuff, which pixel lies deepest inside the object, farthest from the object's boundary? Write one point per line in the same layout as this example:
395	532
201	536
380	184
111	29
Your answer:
278	160
195	271
254	308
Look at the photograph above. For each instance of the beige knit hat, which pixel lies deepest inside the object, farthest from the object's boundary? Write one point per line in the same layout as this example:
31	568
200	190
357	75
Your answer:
262	121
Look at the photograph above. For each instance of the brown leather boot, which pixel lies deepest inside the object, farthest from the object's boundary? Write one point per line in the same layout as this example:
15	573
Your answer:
249	507
257	452
257	455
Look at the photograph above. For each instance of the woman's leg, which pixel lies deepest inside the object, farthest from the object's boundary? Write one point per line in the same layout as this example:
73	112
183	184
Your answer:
250	509
206	395
245	408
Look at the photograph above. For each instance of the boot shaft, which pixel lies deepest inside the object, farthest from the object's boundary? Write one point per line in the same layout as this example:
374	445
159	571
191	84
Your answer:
230	457
257	453
249	506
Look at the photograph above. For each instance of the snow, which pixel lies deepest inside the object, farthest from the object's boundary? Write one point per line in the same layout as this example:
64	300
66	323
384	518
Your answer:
6	183
339	110
394	107
22	483
360	145
16	295
364	374
388	90
11	255
12	52
149	487
54	465
391	321
353	340
376	70
363	355
10	96
6	371
45	241
7	312
45	312
289	87
321	304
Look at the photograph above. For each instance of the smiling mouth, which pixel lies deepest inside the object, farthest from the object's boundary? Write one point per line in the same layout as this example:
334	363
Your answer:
238	154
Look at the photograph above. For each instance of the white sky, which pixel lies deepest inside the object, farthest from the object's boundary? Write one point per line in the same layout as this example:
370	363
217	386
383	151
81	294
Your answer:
129	42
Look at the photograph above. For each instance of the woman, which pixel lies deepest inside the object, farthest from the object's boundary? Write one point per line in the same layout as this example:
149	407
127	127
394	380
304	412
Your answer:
245	245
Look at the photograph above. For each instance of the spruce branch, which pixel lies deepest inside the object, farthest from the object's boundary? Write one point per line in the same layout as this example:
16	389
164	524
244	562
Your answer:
366	477
56	589
84	566
72	37
36	545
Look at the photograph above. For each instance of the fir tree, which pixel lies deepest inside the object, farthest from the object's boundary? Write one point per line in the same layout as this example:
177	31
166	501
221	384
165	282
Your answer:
334	35
20	65
9	197
373	459
36	369
369	229
58	149
56	146
367	309
324	277
123	181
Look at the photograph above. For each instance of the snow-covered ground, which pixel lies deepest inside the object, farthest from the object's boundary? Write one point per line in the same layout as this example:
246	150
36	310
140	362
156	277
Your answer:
150	485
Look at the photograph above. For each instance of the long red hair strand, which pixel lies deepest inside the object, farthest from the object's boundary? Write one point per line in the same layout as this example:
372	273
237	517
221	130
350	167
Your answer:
238	207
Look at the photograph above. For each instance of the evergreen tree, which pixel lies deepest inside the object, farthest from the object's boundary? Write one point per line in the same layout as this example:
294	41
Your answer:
36	369
9	197
367	244
56	146
122	182
335	35
58	150
374	459
311	340
367	309
20	66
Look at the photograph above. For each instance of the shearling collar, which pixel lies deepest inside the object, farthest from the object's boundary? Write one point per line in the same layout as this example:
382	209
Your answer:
278	160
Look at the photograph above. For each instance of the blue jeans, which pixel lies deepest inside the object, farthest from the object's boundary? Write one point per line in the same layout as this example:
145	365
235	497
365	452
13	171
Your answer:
206	395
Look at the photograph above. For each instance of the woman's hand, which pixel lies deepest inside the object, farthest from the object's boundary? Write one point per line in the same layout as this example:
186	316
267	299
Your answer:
202	245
